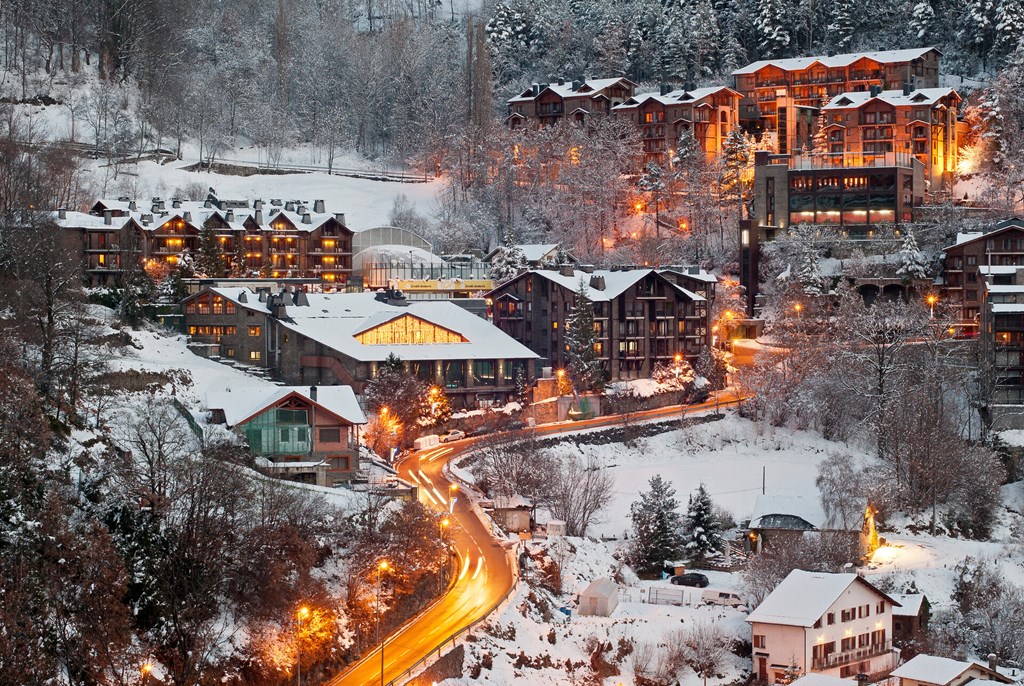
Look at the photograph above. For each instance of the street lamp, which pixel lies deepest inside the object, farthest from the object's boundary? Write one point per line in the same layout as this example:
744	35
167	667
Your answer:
146	668
931	304
381	567
453	489
301	614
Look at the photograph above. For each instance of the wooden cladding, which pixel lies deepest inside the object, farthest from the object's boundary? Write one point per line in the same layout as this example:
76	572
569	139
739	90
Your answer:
408	330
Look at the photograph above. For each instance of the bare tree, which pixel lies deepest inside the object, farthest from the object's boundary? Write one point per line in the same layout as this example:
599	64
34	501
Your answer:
579	491
706	647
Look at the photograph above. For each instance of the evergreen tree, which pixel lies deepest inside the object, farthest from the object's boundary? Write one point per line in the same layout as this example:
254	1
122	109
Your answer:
737	156
978	27
921	21
405	397
508	261
584	367
701	529
610	48
657	527
843	26
771	27
912	264
210	258
706	40
820	141
1009	26
711	366
810	276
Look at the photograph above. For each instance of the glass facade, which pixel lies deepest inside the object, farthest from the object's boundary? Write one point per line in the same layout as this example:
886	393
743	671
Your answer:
280	432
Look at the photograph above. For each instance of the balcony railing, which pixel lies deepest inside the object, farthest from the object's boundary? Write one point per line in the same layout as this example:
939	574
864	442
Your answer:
839	160
846	657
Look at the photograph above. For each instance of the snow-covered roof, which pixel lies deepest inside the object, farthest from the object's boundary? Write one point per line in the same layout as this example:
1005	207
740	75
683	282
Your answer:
676	97
803	597
831	61
1002	269
400	254
151	216
932	669
815	679
1007	308
910	604
334	319
616	282
694	273
967	236
786	511
512	502
896	98
241	404
536	252
588	88
1004	288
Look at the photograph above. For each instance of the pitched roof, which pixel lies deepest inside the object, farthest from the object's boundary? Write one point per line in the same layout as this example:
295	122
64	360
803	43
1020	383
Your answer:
897	98
334	319
676	97
241	404
830	61
815	679
932	669
779	511
910	604
971	236
803	597
565	90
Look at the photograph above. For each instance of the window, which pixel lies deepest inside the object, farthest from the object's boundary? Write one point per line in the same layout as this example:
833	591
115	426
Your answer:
330	435
229	352
880	607
817	624
339	463
254	331
254	356
972	277
848	644
863	640
972	295
285	433
759	641
831	618
972	260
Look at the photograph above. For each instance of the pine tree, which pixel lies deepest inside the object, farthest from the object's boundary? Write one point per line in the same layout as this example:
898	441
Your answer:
921	20
1009	26
978	27
584	367
210	258
706	41
701	528
770	26
737	157
843	26
508	261
912	264
657	527
810	275
610	48
711	366
819	144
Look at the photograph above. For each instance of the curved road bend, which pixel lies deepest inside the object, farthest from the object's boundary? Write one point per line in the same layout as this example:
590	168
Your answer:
485	573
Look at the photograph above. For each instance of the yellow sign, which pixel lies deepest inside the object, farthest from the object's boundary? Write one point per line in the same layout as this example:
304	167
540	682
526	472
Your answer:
446	285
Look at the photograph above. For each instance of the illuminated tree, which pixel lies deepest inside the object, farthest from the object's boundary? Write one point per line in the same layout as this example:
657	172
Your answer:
397	399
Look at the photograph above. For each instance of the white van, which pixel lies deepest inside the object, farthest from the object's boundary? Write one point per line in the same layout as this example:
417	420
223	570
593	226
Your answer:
713	596
423	442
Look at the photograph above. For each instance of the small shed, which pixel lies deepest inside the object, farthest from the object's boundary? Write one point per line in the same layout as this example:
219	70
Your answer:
556	527
512	513
599	599
909	621
930	670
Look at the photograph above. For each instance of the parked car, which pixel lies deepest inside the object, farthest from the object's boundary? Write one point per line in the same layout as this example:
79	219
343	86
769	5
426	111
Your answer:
713	596
515	425
453	435
691	579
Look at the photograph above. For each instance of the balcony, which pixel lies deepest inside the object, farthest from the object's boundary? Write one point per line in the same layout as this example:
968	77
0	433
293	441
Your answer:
844	658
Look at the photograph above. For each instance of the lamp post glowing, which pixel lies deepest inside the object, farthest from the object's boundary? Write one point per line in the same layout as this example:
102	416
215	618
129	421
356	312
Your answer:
382	567
931	305
146	668
301	614
453	490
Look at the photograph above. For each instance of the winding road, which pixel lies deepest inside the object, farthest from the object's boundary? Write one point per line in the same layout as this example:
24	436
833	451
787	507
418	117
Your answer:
486	569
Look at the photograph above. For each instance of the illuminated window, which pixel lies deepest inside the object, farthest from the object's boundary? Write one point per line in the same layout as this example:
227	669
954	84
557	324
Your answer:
408	330
254	355
254	331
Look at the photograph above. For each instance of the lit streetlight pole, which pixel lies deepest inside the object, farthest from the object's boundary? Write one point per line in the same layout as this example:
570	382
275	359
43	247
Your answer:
382	567
441	526
301	614
146	668
931	305
453	489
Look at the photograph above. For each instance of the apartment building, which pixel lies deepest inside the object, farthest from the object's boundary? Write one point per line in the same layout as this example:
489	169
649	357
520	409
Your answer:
318	339
543	104
642	317
963	284
784	95
922	123
279	239
710	114
833	624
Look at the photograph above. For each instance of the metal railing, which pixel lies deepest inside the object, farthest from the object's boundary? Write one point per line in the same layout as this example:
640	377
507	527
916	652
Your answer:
845	160
839	659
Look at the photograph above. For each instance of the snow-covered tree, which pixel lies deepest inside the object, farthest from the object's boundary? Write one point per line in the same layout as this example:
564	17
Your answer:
922	19
610	48
711	365
584	367
1009	26
701	528
819	143
771	23
210	258
508	261
843	26
978	27
674	376
657	527
737	157
810	276
706	40
912	263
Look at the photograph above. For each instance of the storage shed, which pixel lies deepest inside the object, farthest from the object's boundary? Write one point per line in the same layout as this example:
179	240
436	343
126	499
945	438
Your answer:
599	599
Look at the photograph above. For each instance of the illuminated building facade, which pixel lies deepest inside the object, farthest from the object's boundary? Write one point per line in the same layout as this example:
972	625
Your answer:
341	338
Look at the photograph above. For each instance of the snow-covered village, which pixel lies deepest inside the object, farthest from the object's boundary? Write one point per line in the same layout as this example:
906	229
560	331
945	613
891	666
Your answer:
511	343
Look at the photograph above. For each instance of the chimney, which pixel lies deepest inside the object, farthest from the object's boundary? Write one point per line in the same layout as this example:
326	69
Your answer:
300	299
147	218
693	270
207	203
132	206
992	662
566	270
187	217
289	206
536	89
312	393
257	204
875	91
274	211
62	214
175	203
301	209
576	85
318	206
258	216
242	297
597	282
340	216
108	217
276	305
665	89
275	201
307	218
229	216
908	88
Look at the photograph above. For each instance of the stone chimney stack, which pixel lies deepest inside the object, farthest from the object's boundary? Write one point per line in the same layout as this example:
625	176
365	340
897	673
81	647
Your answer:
992	661
318	206
312	393
566	270
108	217
62	214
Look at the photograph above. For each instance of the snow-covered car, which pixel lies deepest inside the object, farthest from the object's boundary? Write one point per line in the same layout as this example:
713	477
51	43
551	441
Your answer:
453	435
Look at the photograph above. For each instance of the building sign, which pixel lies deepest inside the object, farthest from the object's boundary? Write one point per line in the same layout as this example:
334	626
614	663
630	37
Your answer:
433	285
